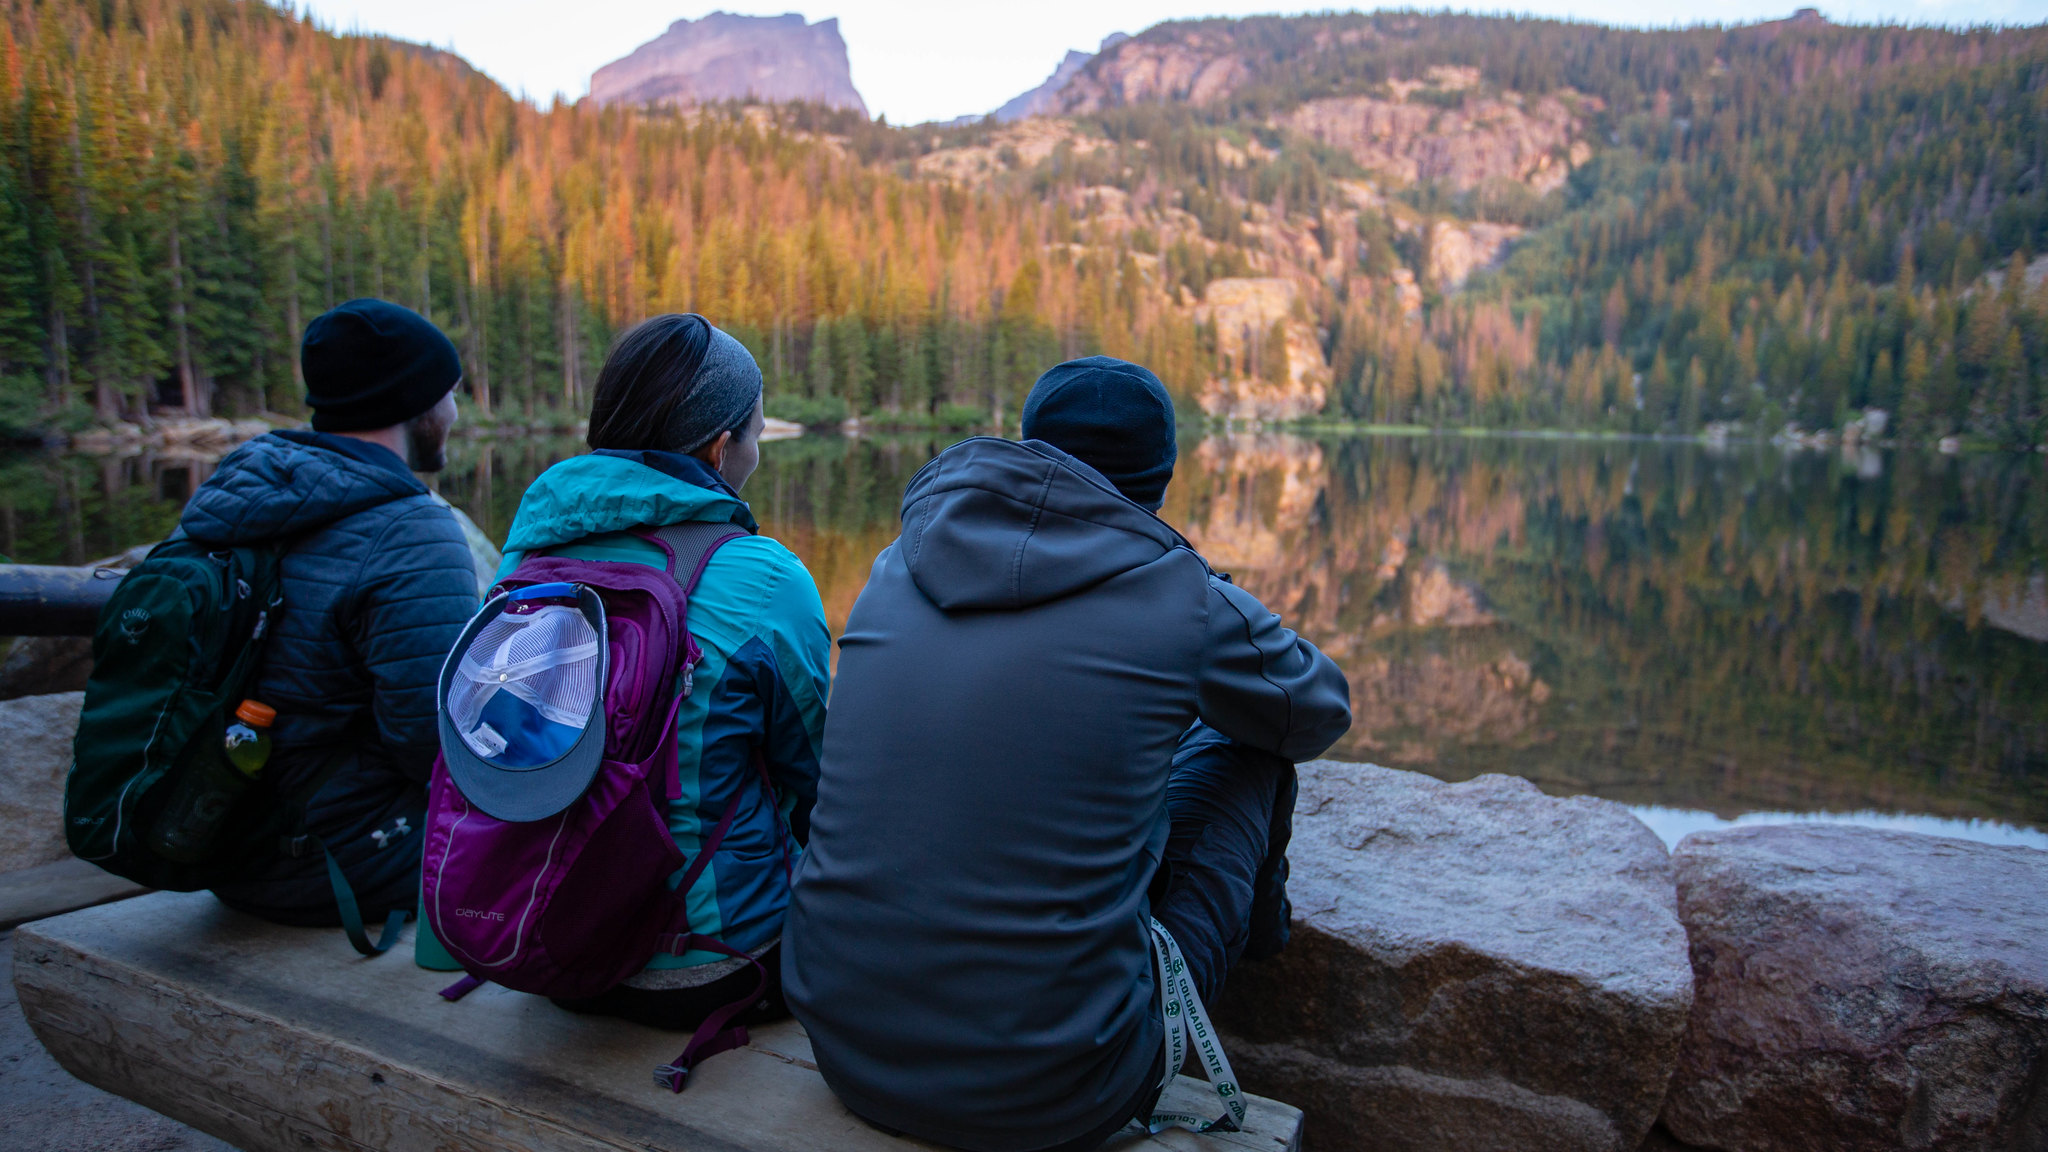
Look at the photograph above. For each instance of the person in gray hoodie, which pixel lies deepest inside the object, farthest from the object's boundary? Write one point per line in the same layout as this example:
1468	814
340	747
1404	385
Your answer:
378	581
1052	722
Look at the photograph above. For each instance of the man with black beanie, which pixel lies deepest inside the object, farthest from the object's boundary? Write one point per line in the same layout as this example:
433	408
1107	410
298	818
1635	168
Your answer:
1059	761
378	581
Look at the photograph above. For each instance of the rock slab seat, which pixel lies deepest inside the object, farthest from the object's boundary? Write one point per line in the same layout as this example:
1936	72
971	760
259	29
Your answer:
278	1039
50	889
1474	966
1863	990
35	755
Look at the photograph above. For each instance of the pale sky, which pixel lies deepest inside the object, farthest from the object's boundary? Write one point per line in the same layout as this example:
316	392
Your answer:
919	60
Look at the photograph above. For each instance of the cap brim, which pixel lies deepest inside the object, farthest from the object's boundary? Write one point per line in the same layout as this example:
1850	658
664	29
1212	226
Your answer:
523	795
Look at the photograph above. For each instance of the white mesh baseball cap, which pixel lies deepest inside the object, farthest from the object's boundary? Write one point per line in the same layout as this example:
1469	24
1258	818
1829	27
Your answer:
522	702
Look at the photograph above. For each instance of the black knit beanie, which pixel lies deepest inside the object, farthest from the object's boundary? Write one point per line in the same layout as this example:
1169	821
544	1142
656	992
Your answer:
372	364
1114	416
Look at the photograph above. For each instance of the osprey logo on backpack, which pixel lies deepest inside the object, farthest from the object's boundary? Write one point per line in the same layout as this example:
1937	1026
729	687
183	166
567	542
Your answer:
134	622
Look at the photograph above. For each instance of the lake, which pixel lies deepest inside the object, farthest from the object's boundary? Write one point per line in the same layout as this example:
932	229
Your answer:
1704	633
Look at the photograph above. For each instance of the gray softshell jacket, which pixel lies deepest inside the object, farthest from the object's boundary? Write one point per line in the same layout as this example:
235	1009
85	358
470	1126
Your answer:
377	585
967	944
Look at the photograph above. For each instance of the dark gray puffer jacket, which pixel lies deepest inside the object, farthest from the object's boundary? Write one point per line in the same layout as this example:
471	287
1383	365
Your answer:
967	943
377	585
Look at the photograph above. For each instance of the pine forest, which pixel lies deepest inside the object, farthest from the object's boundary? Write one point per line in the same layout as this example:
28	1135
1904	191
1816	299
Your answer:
1555	225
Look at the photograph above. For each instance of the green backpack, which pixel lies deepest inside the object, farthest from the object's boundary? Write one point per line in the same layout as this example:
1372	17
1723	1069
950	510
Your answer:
175	652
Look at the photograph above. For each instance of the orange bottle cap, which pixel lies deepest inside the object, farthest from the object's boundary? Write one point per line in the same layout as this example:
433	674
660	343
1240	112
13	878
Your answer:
255	714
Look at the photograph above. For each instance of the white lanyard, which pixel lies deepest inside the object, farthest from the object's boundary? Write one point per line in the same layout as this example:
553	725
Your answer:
1187	1021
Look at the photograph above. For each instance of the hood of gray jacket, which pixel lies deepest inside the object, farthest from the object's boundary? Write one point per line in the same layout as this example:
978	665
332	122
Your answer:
1002	525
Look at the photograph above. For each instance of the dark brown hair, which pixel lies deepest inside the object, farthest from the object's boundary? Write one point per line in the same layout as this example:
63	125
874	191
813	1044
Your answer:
645	376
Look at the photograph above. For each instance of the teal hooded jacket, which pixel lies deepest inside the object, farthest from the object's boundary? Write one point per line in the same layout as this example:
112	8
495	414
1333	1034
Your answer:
767	662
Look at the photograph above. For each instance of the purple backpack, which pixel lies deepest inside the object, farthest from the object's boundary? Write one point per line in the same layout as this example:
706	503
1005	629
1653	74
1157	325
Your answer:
548	848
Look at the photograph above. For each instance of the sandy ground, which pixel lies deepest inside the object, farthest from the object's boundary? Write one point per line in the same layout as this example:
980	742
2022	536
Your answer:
44	1109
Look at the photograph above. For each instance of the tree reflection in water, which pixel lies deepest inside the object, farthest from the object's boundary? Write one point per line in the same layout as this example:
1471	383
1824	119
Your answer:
1669	624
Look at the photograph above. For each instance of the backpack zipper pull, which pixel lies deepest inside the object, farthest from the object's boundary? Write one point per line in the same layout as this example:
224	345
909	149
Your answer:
689	679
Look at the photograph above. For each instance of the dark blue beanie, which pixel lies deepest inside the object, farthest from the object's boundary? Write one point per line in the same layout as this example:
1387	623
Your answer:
372	364
1114	416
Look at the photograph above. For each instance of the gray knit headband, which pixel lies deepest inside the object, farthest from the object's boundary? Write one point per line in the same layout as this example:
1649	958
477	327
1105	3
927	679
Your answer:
720	397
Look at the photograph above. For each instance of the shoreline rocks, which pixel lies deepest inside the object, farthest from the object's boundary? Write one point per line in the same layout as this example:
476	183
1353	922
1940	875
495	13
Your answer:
203	436
1482	967
1862	990
1474	966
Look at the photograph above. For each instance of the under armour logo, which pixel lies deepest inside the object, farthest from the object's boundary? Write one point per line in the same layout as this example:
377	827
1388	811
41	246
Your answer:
400	829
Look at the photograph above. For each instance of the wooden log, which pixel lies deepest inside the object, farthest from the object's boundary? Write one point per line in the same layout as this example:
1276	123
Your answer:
282	1040
40	600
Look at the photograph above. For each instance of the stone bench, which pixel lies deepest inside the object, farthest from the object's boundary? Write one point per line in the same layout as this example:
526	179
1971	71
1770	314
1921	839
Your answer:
278	1039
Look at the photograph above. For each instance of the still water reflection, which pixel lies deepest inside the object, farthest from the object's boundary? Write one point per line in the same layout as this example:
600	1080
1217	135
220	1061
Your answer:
1674	627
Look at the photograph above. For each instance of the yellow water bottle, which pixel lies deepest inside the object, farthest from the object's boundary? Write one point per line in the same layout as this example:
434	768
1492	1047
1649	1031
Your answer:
248	742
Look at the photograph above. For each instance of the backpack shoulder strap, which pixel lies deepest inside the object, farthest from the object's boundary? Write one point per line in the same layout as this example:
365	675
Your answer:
689	546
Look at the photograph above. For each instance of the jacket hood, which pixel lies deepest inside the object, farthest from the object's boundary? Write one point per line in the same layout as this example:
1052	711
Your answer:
1003	524
612	492
288	483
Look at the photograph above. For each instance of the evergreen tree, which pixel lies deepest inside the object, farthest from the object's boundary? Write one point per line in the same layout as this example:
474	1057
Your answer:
21	329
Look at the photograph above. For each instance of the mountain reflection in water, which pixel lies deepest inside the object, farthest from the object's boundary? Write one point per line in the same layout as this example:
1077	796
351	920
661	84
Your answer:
1668	625
1661	624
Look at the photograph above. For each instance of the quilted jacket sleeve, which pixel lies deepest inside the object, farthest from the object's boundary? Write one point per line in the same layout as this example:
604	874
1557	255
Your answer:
417	590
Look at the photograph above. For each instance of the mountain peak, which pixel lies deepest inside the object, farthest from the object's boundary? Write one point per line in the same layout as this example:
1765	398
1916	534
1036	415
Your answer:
726	56
1043	99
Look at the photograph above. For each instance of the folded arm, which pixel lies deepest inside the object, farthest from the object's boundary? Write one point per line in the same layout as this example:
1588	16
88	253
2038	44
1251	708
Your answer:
789	664
1266	687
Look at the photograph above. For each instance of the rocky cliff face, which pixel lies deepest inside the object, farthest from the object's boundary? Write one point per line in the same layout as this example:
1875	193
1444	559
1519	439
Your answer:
1443	128
1044	99
1445	133
1273	366
728	57
1190	65
1458	250
1276	313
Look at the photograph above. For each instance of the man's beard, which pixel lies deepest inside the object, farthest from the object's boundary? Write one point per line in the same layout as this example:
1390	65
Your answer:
426	446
